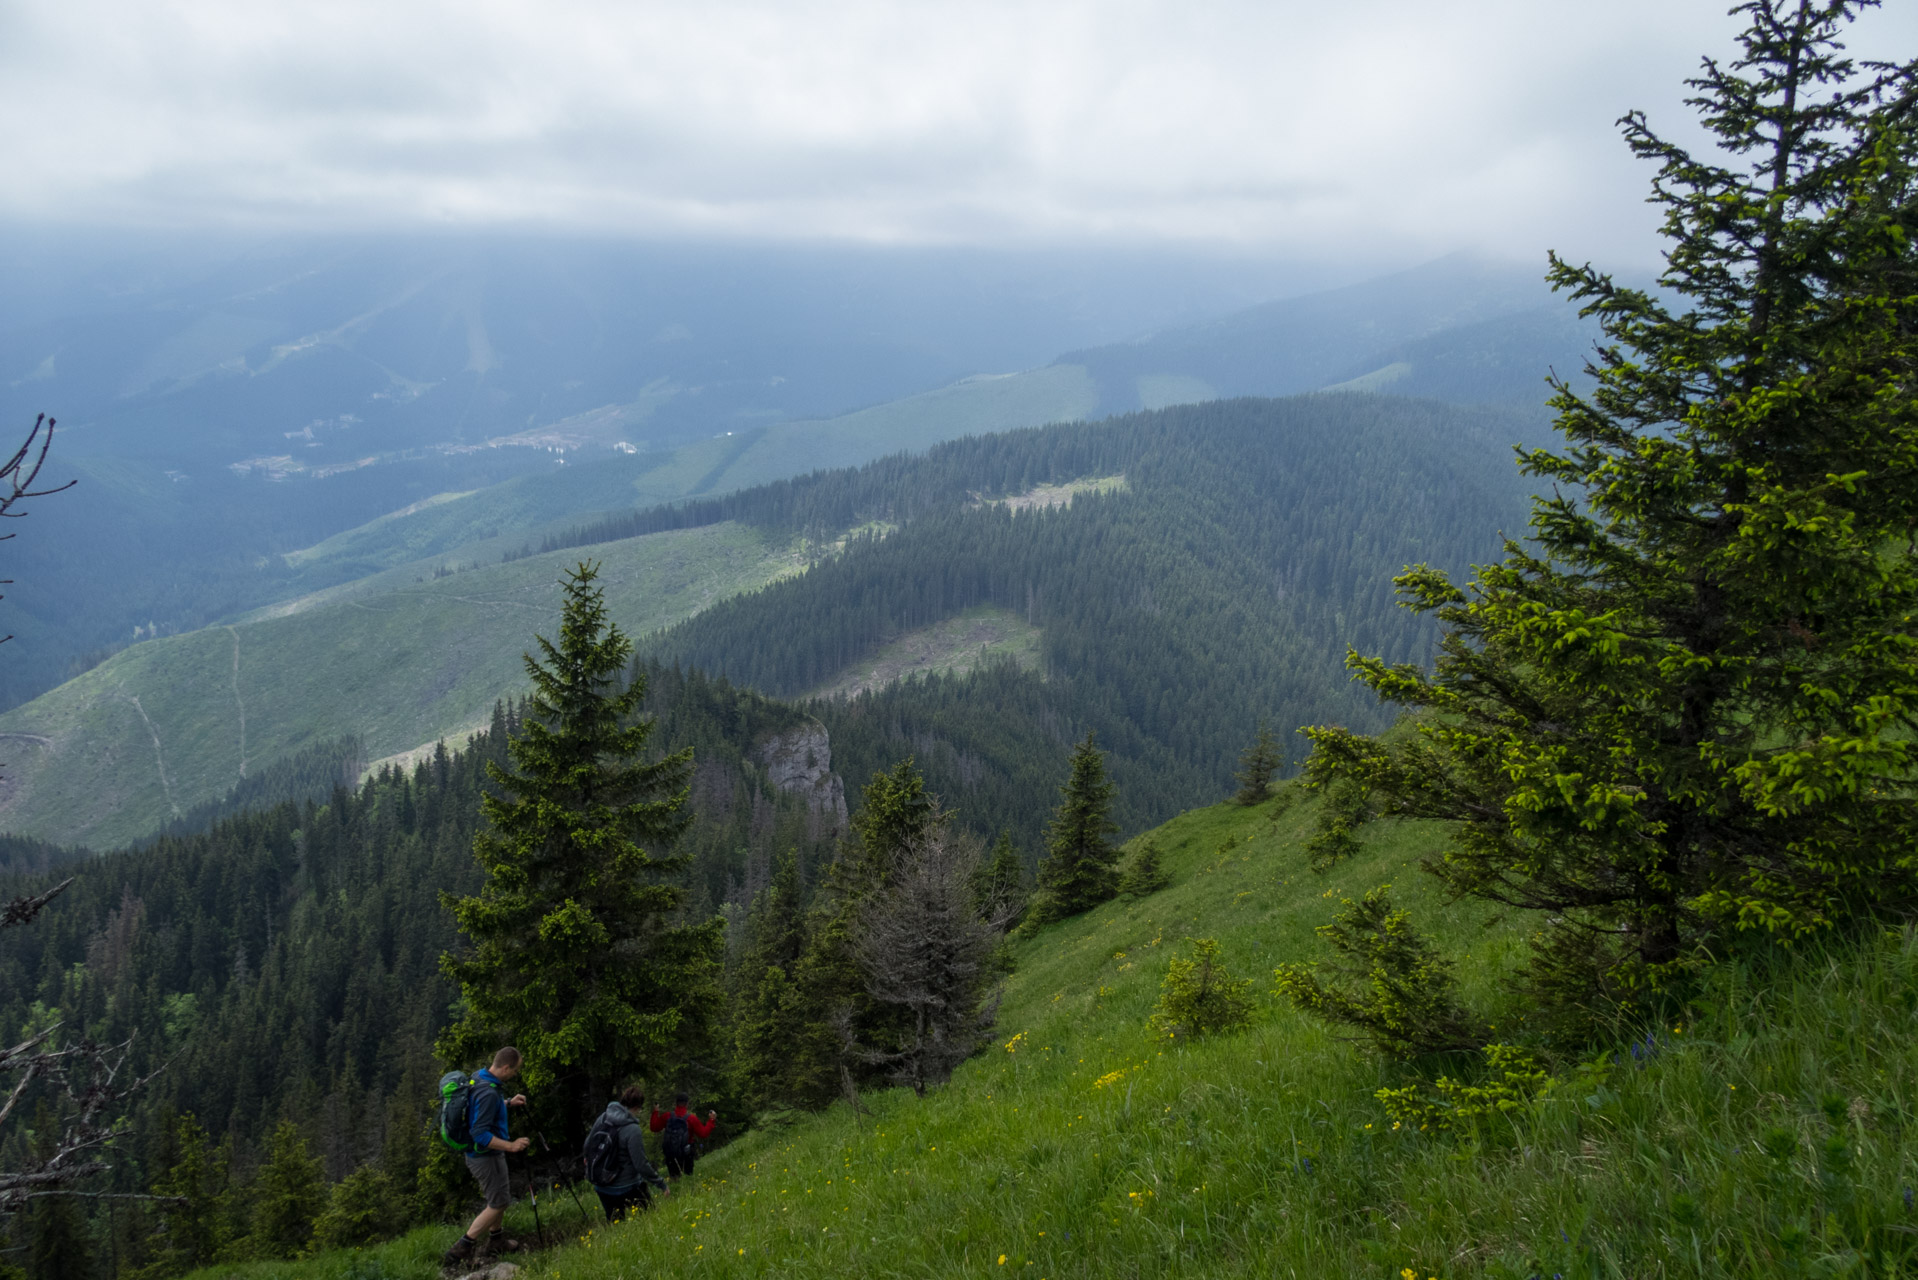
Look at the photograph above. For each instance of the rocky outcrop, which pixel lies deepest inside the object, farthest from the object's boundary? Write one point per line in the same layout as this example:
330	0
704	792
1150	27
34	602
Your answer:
798	761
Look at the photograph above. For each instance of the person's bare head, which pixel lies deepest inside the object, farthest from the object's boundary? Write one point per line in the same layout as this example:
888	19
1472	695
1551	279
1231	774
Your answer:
632	1096
505	1063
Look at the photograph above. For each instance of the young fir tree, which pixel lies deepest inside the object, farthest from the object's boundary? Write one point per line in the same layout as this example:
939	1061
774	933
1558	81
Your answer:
770	1021
1077	874
195	1223
1144	873
1261	760
58	1243
362	1207
1687	713
998	884
575	952
287	1195
1200	997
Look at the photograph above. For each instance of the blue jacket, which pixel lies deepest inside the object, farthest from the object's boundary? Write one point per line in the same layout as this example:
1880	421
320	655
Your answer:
489	1109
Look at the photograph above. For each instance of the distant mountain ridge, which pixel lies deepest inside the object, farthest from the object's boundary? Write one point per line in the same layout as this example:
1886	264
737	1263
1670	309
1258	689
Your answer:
1468	329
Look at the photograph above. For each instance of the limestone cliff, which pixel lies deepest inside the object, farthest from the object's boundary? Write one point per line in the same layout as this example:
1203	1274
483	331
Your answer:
798	761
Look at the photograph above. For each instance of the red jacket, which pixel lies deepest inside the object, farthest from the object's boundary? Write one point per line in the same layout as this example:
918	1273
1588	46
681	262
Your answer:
699	1128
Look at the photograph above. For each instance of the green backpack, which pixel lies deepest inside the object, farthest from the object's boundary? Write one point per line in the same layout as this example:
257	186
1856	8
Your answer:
456	1110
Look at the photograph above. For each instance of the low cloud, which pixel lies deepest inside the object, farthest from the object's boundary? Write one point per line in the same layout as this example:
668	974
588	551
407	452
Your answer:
1264	127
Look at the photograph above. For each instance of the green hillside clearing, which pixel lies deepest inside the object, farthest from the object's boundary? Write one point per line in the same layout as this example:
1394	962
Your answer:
1044	497
1747	1143
173	722
953	647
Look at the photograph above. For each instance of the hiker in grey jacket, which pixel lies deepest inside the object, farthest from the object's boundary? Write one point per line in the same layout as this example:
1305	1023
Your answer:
625	1163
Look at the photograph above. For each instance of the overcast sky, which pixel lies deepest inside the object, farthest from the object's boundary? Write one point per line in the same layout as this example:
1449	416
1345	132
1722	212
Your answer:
1271	127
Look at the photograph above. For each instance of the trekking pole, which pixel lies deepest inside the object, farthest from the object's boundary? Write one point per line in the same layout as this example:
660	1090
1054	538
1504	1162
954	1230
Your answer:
532	1192
547	1147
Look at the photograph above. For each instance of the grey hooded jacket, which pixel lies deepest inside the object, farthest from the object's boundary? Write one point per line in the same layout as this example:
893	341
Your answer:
636	1167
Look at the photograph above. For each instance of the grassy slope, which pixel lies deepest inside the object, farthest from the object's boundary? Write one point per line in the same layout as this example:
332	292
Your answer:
483	524
399	667
1264	1153
952	647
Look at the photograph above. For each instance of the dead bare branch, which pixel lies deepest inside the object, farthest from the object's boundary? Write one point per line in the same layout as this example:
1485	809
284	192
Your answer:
23	909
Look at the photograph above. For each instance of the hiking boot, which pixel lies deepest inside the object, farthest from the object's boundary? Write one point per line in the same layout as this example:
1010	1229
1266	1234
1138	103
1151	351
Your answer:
499	1242
460	1255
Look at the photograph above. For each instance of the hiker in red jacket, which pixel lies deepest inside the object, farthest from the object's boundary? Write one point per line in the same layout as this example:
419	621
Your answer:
681	1127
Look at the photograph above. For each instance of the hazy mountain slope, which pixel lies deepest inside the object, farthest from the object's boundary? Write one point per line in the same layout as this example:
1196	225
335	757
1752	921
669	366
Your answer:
599	481
1305	343
395	342
173	723
1504	360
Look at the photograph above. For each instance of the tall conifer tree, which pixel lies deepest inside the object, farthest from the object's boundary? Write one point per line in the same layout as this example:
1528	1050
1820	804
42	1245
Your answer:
1690	713
1079	871
575	954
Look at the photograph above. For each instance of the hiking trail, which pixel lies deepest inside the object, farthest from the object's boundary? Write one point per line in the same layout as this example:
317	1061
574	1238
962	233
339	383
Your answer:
159	758
237	700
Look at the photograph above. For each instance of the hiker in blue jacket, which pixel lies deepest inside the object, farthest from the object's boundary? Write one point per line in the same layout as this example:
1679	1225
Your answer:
616	1160
487	1161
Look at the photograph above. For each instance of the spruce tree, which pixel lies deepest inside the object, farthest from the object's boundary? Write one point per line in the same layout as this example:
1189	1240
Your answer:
925	955
362	1207
195	1227
1144	874
1686	713
574	950
58	1247
1077	874
771	1022
998	883
896	810
1261	760
287	1195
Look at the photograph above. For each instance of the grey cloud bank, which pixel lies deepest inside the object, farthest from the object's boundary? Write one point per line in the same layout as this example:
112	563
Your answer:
1273	127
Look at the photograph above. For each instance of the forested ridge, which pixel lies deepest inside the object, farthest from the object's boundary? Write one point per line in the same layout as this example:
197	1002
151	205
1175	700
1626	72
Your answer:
1254	541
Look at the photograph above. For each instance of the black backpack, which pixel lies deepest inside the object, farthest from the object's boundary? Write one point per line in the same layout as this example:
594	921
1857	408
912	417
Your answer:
456	1110
679	1139
604	1155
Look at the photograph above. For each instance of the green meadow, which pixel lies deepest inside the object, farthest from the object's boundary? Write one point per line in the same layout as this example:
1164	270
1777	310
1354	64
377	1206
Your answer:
1767	1132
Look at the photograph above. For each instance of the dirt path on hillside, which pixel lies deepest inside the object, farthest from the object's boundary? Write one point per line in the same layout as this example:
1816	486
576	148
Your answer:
159	757
237	700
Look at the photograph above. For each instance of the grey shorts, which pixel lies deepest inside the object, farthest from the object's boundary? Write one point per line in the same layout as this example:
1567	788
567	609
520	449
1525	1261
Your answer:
489	1170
